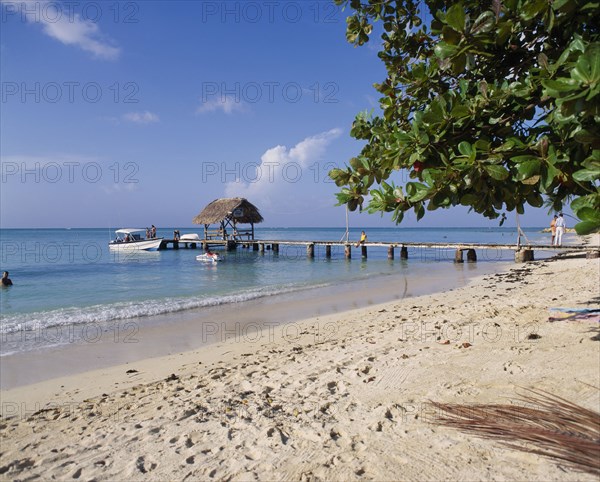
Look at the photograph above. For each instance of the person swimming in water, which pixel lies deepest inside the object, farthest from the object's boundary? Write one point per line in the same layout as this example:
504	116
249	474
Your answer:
6	281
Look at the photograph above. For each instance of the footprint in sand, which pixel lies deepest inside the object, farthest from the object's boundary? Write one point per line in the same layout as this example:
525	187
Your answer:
144	466
511	368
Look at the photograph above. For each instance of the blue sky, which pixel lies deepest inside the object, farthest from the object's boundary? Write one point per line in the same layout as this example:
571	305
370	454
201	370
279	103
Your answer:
137	113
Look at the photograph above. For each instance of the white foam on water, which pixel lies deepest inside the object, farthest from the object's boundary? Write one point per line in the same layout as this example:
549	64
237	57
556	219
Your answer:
104	313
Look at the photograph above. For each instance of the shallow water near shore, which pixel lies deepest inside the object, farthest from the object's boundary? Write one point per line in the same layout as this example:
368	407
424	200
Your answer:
69	289
66	350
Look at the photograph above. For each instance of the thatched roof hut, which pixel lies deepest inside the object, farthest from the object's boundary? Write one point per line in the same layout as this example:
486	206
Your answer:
229	212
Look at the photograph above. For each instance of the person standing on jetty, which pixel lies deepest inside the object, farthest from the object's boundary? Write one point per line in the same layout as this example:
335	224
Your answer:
6	281
553	229
153	232
560	229
363	239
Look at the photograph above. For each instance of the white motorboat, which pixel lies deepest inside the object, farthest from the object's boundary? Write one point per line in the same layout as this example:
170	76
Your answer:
190	238
209	257
128	239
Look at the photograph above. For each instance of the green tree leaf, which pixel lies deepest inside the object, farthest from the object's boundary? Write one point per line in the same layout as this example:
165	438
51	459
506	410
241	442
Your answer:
586	175
497	172
455	17
587	227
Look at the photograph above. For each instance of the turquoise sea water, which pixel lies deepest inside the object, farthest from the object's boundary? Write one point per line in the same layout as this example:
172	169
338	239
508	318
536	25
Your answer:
66	277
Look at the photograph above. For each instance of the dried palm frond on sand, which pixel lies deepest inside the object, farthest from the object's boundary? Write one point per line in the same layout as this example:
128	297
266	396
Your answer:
547	425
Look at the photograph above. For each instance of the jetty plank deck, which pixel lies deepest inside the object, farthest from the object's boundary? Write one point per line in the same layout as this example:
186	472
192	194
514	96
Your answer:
399	244
523	252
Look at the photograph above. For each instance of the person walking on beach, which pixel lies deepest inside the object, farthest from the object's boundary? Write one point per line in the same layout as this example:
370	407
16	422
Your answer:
6	281
560	229
553	228
363	239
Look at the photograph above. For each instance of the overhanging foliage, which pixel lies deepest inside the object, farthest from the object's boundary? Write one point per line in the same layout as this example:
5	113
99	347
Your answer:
490	105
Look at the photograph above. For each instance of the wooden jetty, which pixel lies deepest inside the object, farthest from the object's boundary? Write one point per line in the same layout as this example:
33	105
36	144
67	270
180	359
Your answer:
523	253
229	214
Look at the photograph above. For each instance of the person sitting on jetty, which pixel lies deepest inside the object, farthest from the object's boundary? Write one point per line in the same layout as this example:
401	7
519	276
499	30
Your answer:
363	239
6	281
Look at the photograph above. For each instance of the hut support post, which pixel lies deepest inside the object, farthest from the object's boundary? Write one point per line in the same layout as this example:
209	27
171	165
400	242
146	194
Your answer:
261	247
363	251
310	250
403	252
348	251
276	247
328	251
390	252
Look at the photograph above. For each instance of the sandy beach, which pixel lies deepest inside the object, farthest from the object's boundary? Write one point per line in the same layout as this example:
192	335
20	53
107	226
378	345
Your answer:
343	396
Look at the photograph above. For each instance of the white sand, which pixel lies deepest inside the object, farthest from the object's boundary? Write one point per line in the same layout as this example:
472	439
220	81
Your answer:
338	397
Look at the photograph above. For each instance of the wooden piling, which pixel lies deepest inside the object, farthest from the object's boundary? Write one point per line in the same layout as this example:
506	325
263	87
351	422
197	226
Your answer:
276	247
403	252
261	247
348	251
363	251
523	255
390	252
471	256
458	256
328	251
310	250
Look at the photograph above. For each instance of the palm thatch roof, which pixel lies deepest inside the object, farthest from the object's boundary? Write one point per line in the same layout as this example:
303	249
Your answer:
237	209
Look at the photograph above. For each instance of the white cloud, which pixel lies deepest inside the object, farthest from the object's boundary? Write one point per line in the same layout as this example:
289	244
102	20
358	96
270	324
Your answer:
226	104
141	117
66	26
279	182
111	189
